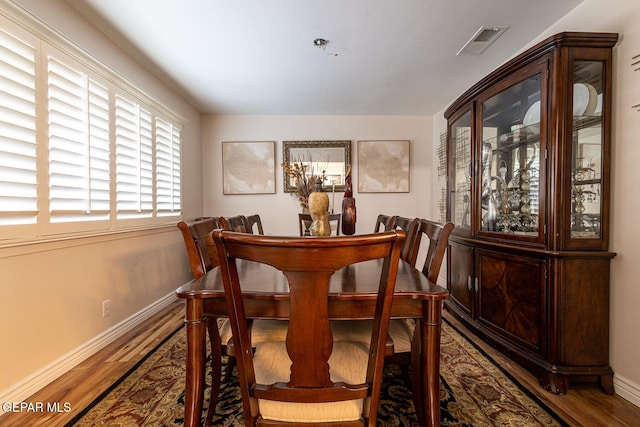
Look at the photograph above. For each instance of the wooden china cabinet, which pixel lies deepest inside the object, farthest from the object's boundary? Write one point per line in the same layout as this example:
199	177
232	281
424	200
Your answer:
528	183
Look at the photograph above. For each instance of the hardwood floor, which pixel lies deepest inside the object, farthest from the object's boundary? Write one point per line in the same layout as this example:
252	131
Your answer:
583	405
81	385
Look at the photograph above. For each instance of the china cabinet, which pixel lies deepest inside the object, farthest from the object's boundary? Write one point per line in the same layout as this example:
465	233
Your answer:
528	191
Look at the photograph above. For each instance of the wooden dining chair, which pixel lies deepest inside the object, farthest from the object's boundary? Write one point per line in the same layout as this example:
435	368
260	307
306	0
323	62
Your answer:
304	219
410	227
237	223
399	341
310	378
202	258
383	223
254	221
438	240
194	234
402	331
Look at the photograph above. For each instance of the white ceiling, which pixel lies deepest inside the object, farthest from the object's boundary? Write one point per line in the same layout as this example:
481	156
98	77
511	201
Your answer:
384	57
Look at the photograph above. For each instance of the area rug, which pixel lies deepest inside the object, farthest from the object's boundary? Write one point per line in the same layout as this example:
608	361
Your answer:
474	391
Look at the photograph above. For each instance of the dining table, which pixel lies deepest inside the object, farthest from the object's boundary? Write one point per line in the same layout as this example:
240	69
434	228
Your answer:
352	296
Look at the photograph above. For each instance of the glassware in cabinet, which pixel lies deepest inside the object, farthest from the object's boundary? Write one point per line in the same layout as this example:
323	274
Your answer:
510	160
586	162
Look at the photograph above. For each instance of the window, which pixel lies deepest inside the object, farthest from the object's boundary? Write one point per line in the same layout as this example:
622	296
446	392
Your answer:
134	160
18	159
80	149
78	123
168	137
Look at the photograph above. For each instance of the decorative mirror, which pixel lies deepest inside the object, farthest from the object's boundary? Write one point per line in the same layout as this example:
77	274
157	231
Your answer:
320	158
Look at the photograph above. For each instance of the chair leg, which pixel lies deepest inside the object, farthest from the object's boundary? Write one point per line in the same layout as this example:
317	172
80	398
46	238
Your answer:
416	376
216	362
231	364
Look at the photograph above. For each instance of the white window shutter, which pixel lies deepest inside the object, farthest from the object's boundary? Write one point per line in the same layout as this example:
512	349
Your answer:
18	165
167	168
81	149
134	160
78	123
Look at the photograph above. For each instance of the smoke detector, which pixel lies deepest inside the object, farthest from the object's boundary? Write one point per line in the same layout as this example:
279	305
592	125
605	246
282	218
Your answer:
481	40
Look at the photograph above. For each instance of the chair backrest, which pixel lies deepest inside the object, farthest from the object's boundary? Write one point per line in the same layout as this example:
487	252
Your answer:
438	235
255	220
308	265
238	223
383	223
410	227
305	219
194	234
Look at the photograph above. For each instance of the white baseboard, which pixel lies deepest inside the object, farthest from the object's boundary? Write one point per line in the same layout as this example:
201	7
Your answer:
34	382
627	389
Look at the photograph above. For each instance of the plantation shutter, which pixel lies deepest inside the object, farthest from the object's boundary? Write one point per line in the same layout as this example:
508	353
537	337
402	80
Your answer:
167	168
134	160
18	166
78	123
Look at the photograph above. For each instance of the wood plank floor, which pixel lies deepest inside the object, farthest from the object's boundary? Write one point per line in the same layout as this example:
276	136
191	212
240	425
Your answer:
583	405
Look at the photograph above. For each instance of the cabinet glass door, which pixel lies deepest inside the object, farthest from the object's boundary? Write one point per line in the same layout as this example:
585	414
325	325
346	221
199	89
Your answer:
586	188
509	181
460	185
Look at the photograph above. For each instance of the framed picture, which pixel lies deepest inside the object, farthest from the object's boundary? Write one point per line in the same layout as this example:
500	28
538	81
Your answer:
248	167
383	166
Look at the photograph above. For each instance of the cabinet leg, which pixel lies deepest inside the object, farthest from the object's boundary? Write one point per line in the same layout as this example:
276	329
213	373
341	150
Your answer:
555	383
606	382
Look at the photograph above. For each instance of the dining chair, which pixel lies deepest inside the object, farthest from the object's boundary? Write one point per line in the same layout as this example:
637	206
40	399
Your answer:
402	331
438	240
310	378
237	223
304	219
410	226
399	335
194	234
202	258
383	223
254	220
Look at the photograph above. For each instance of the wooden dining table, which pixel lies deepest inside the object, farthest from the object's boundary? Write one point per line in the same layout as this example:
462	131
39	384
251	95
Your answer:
352	295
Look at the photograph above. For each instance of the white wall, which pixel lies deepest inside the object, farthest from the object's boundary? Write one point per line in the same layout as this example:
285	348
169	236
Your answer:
52	293
623	17
279	211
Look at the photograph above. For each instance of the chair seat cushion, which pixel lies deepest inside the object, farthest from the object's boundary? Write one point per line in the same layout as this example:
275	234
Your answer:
348	363
261	330
400	331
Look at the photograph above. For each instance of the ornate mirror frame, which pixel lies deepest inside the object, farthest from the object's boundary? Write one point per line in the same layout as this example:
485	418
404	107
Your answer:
332	157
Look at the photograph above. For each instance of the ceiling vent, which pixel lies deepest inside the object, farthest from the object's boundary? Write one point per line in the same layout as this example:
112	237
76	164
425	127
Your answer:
481	40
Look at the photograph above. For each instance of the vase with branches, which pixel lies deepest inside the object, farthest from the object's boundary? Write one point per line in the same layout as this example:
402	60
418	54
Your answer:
304	177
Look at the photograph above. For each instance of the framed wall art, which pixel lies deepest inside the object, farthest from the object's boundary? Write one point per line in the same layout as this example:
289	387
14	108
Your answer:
383	166
248	167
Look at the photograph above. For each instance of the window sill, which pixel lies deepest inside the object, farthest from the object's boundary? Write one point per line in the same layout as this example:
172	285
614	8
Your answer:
16	247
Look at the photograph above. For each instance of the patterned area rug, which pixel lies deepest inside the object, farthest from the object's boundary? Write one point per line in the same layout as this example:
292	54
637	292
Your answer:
474	391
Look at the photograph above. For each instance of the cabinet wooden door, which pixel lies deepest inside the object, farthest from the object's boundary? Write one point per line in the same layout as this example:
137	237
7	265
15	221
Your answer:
461	279
511	295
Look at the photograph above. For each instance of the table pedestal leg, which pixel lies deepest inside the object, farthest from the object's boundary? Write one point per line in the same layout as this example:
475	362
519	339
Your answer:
194	389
